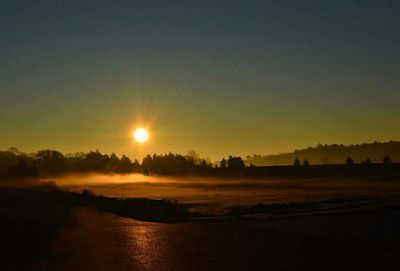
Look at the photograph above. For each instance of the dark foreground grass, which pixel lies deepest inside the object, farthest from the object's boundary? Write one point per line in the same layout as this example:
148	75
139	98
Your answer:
31	218
29	221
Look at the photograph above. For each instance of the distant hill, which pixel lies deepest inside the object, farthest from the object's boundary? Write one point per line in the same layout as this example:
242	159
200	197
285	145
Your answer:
332	154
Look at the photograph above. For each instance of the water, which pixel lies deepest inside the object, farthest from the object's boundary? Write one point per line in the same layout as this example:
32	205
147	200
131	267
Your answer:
102	241
217	195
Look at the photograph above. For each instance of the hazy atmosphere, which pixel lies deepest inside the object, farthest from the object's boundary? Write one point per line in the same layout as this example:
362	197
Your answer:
199	135
279	75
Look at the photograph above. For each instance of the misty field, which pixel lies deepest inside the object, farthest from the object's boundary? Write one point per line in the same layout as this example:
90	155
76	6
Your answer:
216	196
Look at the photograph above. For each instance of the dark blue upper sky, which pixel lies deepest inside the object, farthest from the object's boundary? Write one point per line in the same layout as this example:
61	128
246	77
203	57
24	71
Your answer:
221	77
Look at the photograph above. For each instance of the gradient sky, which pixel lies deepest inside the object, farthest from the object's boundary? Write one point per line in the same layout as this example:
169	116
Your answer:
219	77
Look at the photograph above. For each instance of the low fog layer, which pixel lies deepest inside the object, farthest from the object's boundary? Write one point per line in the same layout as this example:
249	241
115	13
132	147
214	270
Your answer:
215	195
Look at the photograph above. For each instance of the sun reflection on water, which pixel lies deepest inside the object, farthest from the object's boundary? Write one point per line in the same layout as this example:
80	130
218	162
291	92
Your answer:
146	247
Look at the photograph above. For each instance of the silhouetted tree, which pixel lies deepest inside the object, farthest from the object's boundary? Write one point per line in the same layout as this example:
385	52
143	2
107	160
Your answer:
387	160
124	165
171	163
94	161
147	164
9	158
50	161
235	162
136	165
113	162
296	162
305	163
24	169
349	161
204	164
15	151
223	163
193	157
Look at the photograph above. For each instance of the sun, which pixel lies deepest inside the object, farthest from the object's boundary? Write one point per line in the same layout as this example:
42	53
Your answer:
141	135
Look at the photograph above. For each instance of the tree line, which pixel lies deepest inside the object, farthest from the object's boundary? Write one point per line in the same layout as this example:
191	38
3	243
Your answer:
14	163
325	154
386	160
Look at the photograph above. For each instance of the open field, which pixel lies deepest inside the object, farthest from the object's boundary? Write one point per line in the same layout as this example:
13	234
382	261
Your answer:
216	196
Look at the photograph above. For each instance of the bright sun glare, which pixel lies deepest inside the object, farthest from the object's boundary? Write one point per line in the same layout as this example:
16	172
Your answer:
140	135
